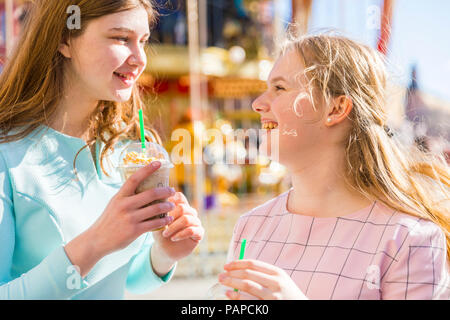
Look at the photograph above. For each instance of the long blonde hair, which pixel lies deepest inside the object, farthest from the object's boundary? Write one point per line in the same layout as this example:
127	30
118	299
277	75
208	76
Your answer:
378	166
31	84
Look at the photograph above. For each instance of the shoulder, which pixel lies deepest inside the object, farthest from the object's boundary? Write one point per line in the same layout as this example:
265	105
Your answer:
34	145
417	267
24	137
408	233
418	229
14	150
422	233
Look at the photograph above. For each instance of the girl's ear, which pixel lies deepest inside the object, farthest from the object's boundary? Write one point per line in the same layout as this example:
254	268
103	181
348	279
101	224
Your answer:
341	108
65	50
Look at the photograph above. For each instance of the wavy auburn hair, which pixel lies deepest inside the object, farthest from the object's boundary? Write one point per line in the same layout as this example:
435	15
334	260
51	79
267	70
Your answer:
378	165
31	84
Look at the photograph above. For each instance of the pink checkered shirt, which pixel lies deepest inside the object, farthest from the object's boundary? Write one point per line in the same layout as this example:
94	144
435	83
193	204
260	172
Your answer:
374	253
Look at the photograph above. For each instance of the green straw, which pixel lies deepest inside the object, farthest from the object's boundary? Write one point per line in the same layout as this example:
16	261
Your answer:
241	254
141	122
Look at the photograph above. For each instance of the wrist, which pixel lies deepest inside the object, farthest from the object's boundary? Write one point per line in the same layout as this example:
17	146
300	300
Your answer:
83	252
96	243
161	263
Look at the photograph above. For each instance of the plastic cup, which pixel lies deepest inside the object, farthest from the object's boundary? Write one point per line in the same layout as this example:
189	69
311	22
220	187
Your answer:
158	179
217	292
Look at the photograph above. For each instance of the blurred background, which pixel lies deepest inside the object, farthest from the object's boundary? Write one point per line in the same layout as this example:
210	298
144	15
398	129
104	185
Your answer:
209	59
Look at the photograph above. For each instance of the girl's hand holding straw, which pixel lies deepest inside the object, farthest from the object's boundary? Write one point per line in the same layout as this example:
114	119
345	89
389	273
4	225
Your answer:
259	279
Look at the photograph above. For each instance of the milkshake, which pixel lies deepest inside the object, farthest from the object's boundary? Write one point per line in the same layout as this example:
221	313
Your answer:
133	158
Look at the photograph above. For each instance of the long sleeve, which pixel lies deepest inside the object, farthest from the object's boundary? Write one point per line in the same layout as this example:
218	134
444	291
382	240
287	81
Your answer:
421	268
141	278
51	279
7	236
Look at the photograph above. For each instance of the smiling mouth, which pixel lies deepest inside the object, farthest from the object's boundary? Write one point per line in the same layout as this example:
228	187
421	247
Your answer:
269	125
123	76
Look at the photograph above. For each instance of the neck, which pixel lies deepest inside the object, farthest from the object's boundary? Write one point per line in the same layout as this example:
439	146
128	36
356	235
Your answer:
319	187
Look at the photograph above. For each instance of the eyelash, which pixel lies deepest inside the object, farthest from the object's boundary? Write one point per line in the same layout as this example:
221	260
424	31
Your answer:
278	88
125	39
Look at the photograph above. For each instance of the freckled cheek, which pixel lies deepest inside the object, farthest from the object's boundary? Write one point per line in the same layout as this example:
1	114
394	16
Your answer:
304	109
95	64
109	59
116	57
284	113
295	124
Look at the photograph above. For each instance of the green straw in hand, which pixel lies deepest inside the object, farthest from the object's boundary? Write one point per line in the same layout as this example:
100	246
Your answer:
141	123
241	254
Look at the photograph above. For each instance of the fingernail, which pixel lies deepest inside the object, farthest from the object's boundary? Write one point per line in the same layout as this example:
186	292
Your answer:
175	239
167	206
155	164
166	232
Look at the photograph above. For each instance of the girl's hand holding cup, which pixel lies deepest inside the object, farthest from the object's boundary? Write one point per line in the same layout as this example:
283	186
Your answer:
180	237
127	216
258	280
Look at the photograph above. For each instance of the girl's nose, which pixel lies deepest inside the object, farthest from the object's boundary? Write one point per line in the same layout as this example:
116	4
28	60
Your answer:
260	105
138	57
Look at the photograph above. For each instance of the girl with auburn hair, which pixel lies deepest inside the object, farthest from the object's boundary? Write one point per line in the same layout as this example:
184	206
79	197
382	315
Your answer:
69	104
366	217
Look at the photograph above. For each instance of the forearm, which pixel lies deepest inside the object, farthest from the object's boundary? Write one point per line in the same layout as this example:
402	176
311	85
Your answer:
159	261
47	280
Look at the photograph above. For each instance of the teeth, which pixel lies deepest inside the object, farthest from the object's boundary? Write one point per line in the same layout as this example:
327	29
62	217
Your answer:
269	125
123	76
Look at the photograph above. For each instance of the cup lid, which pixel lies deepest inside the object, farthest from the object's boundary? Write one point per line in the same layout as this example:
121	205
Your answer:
133	155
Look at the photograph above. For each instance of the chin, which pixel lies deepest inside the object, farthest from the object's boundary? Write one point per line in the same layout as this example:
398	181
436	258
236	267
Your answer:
121	96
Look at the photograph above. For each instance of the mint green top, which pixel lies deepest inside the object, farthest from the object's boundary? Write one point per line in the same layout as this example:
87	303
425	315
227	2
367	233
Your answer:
43	207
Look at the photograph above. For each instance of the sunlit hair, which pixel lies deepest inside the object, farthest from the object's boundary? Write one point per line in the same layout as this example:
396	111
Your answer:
378	165
31	84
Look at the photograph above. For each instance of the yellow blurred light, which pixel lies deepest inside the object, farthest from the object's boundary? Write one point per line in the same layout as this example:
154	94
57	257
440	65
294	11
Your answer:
226	128
237	54
264	69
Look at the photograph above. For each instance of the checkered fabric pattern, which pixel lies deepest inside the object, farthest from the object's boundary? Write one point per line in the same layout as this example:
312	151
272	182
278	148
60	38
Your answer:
374	253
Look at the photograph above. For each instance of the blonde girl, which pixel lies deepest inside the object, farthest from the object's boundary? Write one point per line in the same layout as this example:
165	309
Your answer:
366	217
69	103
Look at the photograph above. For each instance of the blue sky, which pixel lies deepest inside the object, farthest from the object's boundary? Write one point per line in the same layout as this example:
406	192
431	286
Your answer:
420	35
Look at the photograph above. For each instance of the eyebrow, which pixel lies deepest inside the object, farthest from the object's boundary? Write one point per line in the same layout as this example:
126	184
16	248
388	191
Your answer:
127	30
278	79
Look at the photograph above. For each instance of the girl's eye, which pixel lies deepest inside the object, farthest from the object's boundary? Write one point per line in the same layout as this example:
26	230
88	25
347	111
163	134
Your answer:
122	39
126	40
278	88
